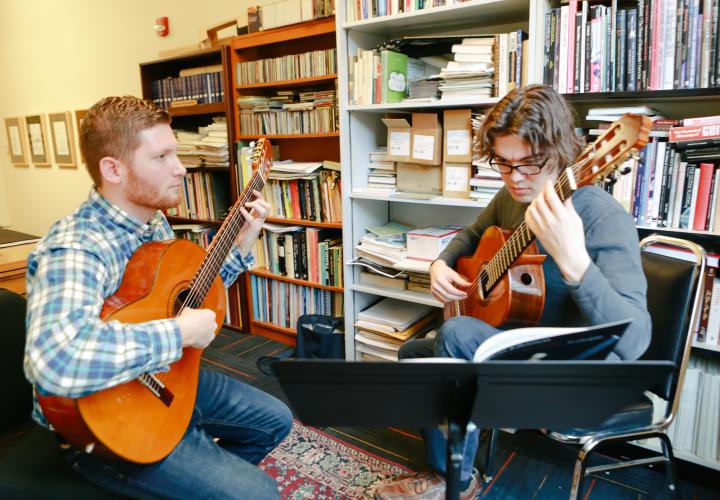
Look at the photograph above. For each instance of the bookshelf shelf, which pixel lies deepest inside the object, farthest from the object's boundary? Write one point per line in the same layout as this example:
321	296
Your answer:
246	137
300	82
299	31
267	274
710	94
435	200
474	13
303	222
407	295
215	108
414	105
186	220
705	347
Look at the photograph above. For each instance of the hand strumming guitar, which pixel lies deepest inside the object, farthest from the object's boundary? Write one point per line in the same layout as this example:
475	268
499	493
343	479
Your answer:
444	282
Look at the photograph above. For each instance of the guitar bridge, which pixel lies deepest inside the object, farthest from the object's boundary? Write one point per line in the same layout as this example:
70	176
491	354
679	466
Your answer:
156	386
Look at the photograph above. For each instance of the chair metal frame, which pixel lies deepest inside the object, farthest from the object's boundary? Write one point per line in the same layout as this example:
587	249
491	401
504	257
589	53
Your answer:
590	441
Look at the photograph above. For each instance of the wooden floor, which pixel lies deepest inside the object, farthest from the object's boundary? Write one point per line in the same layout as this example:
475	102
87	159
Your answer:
528	465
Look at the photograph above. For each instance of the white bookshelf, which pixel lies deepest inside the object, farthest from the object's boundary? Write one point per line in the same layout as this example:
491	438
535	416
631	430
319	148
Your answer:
362	130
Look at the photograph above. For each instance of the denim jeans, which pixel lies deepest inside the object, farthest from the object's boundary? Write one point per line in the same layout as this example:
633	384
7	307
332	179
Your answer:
249	424
458	337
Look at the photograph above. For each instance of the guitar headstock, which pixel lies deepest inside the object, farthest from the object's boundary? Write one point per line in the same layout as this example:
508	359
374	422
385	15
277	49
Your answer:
261	157
626	136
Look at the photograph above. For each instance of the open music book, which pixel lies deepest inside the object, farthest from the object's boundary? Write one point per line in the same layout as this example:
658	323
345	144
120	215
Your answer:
546	344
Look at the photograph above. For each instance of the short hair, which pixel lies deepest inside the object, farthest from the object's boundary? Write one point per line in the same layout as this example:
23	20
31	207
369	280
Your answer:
111	127
539	115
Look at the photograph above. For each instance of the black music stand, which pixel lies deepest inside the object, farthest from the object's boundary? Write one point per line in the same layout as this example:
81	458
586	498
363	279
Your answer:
493	395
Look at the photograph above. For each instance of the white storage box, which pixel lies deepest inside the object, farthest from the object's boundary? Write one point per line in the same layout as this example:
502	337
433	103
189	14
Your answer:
426	244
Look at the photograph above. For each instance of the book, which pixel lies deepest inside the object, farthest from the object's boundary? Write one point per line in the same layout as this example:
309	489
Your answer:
393	75
548	343
398	314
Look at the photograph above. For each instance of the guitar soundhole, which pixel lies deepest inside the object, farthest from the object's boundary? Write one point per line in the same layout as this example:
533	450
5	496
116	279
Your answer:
526	279
179	301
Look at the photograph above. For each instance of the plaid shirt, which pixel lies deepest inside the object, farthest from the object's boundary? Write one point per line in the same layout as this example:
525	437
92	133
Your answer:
69	351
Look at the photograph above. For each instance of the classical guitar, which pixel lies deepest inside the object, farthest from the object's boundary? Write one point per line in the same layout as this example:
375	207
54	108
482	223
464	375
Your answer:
508	288
144	419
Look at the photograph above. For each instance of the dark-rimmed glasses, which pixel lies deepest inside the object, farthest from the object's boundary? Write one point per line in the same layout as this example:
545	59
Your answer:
525	169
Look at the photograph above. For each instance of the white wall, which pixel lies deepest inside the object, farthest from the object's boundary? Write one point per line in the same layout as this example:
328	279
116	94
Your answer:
63	55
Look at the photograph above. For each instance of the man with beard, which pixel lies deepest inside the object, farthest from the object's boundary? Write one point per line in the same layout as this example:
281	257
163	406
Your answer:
131	155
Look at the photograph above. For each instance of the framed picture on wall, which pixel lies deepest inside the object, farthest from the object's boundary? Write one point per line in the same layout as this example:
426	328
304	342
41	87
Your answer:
63	140
16	141
37	137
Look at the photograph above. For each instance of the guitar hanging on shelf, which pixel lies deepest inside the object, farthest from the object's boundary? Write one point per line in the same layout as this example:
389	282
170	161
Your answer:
509	284
144	419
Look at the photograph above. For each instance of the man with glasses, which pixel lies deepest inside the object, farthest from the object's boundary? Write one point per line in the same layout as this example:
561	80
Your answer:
593	272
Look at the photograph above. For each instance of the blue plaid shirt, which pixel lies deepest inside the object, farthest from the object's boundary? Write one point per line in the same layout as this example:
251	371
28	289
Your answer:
69	351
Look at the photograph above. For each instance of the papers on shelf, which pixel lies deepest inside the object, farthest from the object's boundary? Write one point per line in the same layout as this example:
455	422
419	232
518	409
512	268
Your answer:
295	167
394	313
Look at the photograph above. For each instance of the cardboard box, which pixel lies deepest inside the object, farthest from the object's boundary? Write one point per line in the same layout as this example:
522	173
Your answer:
456	180
398	139
426	139
414	178
458	136
426	244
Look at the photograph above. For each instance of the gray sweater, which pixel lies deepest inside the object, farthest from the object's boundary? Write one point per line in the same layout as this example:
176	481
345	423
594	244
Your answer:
614	286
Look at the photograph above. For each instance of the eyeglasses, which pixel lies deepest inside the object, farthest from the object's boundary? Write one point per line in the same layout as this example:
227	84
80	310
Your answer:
525	169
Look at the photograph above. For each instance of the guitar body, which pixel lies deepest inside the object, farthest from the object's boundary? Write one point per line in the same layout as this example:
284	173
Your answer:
130	421
518	298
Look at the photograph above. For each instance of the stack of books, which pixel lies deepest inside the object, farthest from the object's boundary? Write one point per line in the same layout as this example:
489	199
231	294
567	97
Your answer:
381	171
385	245
213	146
485	182
472	73
383	327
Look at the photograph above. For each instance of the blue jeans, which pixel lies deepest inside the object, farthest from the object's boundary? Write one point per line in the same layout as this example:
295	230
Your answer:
249	424
457	338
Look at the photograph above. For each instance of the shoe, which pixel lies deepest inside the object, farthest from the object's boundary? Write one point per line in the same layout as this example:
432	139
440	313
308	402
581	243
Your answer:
427	485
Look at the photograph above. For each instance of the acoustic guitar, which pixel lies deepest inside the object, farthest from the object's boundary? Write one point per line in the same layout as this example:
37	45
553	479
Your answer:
508	288
144	419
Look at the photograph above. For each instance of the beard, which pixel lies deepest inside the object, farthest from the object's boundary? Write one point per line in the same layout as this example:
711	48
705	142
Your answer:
144	194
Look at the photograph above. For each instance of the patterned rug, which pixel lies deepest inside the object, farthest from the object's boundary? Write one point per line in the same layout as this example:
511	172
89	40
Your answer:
312	464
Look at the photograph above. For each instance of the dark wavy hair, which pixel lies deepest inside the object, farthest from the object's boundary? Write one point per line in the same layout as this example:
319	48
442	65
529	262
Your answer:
539	115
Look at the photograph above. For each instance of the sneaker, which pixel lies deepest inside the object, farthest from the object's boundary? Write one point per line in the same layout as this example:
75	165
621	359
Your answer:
426	485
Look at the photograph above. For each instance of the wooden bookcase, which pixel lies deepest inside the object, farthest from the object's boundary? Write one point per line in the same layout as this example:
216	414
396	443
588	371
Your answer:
192	116
318	34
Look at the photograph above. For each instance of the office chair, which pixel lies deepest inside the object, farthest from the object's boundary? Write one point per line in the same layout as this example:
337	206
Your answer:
31	463
673	300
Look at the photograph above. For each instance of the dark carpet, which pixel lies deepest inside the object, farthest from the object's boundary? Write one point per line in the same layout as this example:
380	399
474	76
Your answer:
528	464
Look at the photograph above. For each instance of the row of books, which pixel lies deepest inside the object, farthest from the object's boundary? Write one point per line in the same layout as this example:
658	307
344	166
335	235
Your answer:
283	12
309	254
316	196
315	121
204	88
378	76
283	303
669	188
383	327
708	331
245	171
206	196
289	67
696	428
366	9
655	45
206	147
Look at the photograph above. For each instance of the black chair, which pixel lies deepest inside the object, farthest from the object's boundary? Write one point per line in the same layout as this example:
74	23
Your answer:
31	463
673	300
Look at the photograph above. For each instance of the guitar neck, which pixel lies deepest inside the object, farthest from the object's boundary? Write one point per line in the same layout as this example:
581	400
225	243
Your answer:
221	244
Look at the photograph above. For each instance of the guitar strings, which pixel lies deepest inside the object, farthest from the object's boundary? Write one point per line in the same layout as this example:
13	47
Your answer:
221	244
